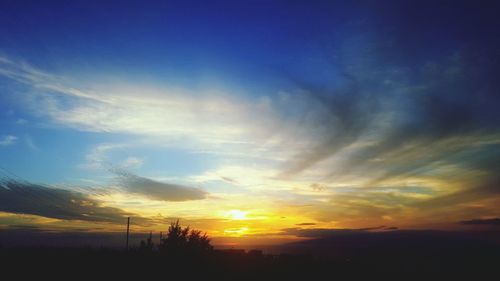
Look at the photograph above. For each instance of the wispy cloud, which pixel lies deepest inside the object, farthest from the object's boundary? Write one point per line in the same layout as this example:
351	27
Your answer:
30	142
21	121
133	162
97	157
210	117
8	140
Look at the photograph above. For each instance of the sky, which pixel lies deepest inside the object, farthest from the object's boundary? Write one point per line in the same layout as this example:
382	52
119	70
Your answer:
257	122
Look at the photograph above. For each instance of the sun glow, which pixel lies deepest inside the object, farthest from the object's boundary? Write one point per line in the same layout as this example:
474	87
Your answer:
236	215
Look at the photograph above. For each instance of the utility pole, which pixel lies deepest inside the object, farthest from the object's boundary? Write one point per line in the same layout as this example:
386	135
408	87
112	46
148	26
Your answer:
128	229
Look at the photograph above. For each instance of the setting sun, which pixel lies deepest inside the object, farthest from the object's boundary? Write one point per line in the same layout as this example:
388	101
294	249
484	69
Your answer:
236	215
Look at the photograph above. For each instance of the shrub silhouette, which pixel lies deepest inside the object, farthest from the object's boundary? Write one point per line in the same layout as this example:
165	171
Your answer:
180	240
148	244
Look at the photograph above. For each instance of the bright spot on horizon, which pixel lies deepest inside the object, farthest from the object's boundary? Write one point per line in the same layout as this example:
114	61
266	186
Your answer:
236	232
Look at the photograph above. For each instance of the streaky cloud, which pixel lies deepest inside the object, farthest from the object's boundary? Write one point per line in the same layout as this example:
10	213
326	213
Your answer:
305	224
325	232
470	194
21	197
495	221
386	105
156	190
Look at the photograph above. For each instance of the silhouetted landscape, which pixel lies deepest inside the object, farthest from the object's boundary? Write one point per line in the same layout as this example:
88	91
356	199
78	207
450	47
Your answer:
185	253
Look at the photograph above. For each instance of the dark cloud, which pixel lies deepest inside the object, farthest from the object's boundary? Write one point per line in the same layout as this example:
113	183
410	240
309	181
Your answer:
305	224
495	221
157	190
229	180
325	232
27	198
318	187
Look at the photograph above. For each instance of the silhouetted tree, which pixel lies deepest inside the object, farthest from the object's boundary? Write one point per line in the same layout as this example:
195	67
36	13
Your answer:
198	241
180	240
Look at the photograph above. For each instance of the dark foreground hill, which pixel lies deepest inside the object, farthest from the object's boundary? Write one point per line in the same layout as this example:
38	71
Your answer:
397	255
406	253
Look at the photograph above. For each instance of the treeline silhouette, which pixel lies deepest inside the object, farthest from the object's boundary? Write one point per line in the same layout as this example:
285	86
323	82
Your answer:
187	254
180	241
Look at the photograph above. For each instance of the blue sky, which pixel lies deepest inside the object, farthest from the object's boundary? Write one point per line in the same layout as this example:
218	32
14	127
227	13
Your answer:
344	114
188	45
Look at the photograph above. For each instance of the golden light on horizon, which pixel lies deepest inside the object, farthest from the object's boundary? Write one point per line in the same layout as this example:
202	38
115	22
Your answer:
236	232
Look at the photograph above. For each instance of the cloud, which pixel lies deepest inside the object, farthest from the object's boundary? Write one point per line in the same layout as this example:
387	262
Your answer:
133	162
30	142
156	190
325	232
391	122
367	120
208	120
404	125
388	114
8	140
22	197
495	221
470	194
97	158
229	180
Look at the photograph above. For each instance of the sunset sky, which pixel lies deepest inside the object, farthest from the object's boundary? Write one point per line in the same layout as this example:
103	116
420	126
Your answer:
258	121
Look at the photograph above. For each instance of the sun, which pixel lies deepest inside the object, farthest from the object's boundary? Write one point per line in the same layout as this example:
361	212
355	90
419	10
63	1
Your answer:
236	215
